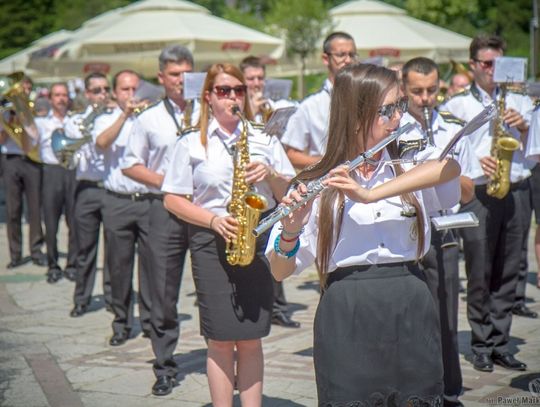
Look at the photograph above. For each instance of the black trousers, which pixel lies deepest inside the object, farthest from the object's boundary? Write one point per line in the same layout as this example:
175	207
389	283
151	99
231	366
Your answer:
441	269
528	206
126	229
22	177
88	218
492	254
168	238
59	196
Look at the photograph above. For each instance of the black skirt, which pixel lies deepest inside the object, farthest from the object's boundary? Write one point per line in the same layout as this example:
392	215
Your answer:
235	303
377	339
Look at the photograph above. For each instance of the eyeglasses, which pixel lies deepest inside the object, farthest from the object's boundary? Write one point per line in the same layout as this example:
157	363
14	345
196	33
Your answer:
340	56
484	64
388	110
225	91
97	91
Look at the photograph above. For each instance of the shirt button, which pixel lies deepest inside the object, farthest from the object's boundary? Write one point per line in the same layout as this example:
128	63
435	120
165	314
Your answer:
381	244
378	214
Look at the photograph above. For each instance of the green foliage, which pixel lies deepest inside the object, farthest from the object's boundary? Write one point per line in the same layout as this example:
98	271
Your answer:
240	17
301	22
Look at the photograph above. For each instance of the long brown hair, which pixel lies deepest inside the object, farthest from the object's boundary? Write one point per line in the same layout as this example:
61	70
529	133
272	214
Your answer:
359	91
211	74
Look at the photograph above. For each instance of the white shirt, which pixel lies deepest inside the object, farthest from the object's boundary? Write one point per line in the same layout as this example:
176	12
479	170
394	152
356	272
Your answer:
153	137
307	129
208	174
532	151
467	104
114	179
375	233
46	125
90	165
443	132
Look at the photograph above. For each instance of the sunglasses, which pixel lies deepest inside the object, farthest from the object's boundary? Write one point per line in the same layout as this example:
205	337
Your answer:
97	91
484	64
388	110
340	56
225	91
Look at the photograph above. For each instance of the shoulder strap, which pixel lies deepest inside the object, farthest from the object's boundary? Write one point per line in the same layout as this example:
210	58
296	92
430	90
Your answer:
170	110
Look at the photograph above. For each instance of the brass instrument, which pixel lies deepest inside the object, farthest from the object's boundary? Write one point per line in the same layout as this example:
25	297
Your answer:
14	98
188	113
503	146
246	205
427	122
64	147
266	112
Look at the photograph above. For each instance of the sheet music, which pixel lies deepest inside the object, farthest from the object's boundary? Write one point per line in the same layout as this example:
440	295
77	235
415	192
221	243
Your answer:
457	220
276	89
277	123
193	84
509	69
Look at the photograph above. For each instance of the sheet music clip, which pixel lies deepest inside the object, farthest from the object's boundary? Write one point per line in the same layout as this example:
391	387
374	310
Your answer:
276	125
454	221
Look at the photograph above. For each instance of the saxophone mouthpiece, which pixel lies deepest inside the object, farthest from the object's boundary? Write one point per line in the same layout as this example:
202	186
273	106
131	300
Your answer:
235	109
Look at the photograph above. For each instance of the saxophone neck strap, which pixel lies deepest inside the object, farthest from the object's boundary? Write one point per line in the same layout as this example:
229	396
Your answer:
170	110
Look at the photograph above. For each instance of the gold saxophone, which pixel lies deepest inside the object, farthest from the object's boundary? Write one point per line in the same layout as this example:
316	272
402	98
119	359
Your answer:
246	205
503	146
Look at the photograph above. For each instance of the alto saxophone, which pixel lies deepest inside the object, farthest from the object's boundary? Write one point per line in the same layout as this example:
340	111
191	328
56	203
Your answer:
246	205
503	146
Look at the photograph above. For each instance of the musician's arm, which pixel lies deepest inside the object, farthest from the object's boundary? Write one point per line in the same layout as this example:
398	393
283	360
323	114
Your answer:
107	137
142	174
299	159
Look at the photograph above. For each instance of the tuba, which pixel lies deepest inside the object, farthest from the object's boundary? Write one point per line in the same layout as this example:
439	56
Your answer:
503	146
65	148
14	98
246	205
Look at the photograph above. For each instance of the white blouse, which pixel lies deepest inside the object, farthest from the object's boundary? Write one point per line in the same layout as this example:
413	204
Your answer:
374	233
207	174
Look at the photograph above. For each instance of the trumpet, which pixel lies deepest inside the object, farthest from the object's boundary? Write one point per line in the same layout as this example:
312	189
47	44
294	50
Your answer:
316	186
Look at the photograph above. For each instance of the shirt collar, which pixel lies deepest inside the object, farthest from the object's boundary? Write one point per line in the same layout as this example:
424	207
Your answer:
215	130
328	86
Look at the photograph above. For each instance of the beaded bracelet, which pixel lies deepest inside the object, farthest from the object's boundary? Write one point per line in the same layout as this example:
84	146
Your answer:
284	232
284	239
281	253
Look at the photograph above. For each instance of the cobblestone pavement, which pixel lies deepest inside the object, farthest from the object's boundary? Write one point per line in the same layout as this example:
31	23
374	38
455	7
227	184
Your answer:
50	359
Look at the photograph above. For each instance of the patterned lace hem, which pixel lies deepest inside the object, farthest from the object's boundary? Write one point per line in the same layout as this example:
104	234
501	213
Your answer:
391	400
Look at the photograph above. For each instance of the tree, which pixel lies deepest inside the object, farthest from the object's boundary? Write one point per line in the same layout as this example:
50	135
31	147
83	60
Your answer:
302	23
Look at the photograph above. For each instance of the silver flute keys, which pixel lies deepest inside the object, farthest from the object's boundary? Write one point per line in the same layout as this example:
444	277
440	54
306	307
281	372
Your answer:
316	186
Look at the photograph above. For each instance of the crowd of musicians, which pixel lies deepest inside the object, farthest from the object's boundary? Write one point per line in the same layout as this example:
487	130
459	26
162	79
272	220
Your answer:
160	179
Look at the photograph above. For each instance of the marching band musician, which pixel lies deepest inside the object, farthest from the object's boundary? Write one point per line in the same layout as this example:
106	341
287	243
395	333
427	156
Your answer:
89	197
235	302
22	176
376	330
153	136
420	83
58	189
254	72
492	250
125	212
306	135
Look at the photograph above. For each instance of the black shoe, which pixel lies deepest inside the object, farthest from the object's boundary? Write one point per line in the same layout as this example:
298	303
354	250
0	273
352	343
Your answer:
524	311
118	339
163	385
70	273
282	319
78	311
40	260
483	362
53	275
15	263
508	361
146	334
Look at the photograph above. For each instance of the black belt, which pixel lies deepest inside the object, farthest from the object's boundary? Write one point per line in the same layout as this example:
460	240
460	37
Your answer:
21	156
137	196
93	184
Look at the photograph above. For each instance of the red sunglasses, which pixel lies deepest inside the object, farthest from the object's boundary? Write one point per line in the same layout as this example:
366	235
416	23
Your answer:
225	91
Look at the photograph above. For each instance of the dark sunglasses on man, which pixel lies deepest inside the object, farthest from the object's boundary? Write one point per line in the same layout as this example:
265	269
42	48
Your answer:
97	91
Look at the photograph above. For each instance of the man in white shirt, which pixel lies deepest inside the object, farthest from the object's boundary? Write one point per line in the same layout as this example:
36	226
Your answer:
21	175
153	136
125	212
492	250
420	83
89	194
58	191
306	135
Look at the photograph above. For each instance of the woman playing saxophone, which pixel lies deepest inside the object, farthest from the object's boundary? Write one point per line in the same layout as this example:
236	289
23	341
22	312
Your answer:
235	302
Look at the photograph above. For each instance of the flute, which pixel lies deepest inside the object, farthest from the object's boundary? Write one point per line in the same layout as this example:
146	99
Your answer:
316	186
